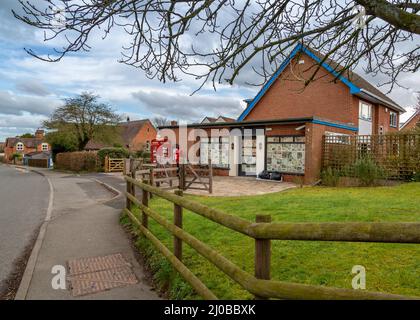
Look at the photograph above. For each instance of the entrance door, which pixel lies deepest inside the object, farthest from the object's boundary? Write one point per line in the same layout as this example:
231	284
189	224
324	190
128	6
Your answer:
248	166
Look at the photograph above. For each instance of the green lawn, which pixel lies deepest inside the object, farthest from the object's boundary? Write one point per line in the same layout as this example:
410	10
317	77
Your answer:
393	268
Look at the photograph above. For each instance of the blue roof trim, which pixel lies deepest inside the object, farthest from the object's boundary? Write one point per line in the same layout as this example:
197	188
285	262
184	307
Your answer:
299	47
335	125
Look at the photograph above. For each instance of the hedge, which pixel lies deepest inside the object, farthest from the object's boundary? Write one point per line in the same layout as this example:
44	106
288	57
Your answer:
77	161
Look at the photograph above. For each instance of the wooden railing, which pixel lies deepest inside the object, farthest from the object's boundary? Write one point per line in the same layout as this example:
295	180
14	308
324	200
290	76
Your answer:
263	231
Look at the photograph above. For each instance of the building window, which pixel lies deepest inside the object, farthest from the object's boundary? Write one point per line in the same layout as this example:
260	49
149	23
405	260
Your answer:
44	147
365	111
147	147
216	149
19	146
393	119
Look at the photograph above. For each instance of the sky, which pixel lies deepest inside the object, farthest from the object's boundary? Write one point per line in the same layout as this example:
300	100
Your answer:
31	89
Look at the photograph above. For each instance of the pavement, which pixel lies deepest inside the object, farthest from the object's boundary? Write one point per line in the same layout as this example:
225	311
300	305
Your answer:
18	220
84	223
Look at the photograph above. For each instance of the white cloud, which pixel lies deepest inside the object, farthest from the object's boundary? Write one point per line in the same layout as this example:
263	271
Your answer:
13	104
187	107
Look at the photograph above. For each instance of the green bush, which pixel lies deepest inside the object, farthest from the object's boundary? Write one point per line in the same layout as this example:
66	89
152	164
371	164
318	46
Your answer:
330	177
416	177
367	171
112	153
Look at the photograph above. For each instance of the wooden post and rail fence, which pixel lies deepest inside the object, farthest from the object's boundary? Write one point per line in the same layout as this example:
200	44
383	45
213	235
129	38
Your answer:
263	231
182	177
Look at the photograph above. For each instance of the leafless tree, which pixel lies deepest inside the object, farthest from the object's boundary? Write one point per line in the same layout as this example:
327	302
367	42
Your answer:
417	106
160	121
215	40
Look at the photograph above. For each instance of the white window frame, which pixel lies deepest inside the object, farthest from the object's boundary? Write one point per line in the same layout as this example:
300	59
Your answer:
20	146
365	115
44	147
393	116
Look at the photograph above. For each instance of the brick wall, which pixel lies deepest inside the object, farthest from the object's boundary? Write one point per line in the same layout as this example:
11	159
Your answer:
146	133
413	123
313	149
322	98
380	116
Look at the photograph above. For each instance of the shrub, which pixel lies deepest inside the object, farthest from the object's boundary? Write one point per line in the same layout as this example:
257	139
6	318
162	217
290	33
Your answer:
367	171
77	161
112	153
15	157
330	177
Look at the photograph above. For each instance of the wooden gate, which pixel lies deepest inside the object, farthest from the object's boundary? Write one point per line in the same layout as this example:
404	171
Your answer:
196	177
114	164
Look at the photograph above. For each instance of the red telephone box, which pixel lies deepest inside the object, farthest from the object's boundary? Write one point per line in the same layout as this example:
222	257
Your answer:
160	148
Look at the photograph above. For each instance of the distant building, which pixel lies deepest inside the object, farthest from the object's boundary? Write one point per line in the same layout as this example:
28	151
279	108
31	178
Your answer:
217	120
25	146
135	135
412	122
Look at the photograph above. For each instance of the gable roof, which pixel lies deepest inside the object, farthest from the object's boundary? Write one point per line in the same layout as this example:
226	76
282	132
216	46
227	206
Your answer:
27	142
218	119
209	119
131	128
357	85
225	119
412	118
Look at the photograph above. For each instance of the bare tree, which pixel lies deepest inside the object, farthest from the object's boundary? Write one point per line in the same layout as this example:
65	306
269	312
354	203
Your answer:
417	106
160	121
84	118
215	40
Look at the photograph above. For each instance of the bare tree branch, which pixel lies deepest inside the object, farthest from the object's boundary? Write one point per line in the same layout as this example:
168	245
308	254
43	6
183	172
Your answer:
219	41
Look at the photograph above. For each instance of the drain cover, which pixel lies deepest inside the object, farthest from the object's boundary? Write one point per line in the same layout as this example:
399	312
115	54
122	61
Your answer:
96	274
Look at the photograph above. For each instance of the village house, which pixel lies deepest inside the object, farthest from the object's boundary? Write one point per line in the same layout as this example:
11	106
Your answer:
135	135
288	121
412	122
218	119
35	147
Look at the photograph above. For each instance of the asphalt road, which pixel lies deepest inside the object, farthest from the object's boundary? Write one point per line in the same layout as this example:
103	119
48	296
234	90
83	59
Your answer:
23	204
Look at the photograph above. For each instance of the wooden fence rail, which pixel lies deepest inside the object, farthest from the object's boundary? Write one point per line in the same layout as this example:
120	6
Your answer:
262	231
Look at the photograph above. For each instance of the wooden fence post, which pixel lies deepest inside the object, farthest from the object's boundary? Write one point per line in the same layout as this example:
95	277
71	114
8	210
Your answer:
262	253
145	202
178	223
210	177
106	164
133	175
182	176
151	180
128	184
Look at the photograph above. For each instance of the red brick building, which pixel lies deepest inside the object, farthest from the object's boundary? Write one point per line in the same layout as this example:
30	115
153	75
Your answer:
135	135
287	121
412	122
25	146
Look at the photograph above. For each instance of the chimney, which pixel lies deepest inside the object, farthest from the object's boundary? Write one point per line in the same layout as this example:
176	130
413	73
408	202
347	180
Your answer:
39	134
174	123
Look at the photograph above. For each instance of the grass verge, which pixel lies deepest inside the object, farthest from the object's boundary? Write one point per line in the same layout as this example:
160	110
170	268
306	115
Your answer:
392	268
